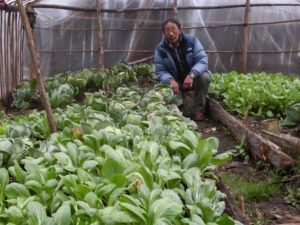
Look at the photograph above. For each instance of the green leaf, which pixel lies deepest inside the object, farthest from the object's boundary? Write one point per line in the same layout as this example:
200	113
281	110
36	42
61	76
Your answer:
4	179
110	168
190	138
36	213
89	164
15	215
138	212
63	215
221	159
147	176
180	147
225	220
113	215
118	179
16	190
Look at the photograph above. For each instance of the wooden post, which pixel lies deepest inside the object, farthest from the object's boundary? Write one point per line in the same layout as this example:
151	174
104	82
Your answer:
100	35
245	37
34	58
175	11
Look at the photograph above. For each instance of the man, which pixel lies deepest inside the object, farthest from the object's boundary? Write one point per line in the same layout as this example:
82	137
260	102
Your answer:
181	62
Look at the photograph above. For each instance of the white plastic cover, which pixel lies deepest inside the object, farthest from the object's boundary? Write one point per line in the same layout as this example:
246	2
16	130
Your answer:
68	40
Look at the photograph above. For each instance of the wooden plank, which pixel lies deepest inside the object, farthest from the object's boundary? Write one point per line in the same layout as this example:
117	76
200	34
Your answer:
259	147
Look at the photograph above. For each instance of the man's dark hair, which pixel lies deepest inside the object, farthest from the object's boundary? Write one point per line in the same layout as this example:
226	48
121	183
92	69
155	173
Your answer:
171	20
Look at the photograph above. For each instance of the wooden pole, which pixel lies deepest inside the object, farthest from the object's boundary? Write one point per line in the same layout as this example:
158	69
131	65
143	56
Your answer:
31	45
175	11
100	35
245	37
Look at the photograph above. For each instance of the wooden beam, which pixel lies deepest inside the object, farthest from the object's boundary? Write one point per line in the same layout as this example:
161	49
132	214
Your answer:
175	9
55	6
259	147
141	60
34	59
100	35
245	36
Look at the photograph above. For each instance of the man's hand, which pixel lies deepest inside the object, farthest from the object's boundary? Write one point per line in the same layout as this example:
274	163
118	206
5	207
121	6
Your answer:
175	87
188	83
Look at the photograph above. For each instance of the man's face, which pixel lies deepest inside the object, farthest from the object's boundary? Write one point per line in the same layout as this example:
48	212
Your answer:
172	32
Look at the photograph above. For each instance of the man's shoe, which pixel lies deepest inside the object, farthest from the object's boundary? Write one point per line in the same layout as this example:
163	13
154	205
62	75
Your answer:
199	116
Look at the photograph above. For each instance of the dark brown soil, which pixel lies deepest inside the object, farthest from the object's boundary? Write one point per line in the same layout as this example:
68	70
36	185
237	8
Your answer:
272	211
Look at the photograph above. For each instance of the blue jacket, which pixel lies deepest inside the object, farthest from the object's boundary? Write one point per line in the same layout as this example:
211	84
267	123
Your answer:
196	57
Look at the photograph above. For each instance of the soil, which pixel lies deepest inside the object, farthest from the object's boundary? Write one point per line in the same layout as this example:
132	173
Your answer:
272	211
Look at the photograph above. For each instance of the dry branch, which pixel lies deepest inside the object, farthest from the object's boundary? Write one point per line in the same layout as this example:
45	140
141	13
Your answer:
259	147
283	140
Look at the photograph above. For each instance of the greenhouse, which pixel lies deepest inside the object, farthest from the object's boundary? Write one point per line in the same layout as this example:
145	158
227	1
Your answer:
92	132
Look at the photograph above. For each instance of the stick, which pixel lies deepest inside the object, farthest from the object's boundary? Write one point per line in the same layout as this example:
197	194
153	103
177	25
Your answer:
31	45
245	36
100	36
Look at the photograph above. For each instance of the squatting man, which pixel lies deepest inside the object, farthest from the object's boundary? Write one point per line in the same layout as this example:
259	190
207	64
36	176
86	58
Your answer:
181	62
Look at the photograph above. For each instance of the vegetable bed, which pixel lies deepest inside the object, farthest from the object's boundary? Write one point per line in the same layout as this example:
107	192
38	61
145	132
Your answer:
267	104
125	157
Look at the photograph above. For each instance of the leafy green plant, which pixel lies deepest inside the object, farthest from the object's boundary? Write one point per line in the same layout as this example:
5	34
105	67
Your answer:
293	196
260	94
250	188
241	150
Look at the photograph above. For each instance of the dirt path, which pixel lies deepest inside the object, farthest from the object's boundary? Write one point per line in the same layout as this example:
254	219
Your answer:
270	211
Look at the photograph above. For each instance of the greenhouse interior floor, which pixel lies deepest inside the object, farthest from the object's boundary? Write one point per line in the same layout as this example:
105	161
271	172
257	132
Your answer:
263	189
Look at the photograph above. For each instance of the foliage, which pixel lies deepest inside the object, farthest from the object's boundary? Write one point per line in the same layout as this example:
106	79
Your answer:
65	87
292	115
125	159
250	188
260	94
293	196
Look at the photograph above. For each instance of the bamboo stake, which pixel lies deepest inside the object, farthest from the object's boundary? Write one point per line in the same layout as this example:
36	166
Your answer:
1	57
175	11
151	51
54	6
100	36
31	45
245	36
141	60
6	40
185	28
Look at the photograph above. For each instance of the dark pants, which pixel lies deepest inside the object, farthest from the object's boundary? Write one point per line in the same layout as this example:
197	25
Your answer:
199	93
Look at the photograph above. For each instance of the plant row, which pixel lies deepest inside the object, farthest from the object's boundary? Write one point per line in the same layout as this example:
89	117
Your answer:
63	88
131	158
259	94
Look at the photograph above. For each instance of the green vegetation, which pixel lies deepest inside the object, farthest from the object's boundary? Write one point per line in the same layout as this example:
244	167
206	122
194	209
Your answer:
252	189
63	88
259	94
125	157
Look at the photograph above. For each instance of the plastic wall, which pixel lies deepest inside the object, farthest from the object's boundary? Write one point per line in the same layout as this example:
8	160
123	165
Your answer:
68	40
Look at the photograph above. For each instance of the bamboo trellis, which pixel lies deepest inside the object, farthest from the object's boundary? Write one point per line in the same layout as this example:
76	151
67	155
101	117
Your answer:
12	73
11	52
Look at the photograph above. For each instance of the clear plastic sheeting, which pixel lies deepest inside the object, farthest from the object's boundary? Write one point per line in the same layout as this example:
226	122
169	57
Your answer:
68	40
